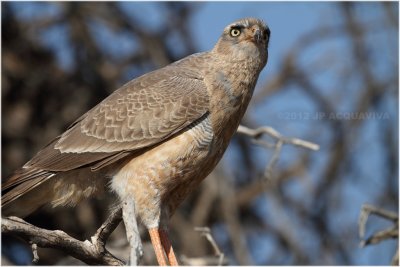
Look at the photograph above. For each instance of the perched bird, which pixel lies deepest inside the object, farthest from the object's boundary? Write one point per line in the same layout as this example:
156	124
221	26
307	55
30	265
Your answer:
154	139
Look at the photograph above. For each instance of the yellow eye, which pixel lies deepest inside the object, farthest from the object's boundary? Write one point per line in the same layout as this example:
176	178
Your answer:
235	32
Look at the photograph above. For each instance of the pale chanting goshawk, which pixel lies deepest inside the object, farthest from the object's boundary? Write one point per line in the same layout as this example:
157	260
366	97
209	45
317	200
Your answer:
153	140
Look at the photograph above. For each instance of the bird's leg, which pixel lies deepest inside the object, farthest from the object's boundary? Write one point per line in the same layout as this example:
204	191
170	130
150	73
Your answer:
158	248
168	247
132	232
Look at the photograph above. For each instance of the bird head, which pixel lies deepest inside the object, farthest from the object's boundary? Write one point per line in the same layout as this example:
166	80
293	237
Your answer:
245	39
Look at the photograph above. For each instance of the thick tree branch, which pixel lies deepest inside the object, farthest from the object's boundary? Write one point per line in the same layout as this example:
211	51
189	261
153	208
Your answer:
93	252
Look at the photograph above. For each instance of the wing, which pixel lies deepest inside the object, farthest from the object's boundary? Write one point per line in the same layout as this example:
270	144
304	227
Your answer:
142	113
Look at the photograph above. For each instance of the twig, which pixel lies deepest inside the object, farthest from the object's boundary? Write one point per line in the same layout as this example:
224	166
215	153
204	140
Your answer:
274	159
35	253
366	210
259	132
206	232
86	251
379	236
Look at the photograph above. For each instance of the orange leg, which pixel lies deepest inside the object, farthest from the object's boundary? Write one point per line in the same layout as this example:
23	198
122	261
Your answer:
158	248
168	248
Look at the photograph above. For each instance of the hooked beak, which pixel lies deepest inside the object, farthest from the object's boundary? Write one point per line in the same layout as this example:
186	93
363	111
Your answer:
257	36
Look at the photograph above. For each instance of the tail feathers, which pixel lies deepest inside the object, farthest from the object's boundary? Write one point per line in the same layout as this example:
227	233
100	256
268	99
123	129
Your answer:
23	175
19	185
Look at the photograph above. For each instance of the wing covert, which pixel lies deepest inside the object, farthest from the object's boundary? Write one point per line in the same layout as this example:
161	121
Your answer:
142	113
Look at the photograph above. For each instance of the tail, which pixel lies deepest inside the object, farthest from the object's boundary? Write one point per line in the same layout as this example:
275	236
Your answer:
20	194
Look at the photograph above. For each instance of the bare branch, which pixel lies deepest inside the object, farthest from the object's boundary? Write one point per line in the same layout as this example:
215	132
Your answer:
274	159
377	237
86	251
366	210
207	260
259	132
106	229
380	236
206	232
390	215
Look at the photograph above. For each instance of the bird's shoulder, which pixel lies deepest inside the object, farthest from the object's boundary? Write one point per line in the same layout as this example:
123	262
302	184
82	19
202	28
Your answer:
142	113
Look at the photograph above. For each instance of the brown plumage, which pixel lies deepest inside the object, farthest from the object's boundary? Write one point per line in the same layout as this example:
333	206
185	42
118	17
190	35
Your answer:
156	138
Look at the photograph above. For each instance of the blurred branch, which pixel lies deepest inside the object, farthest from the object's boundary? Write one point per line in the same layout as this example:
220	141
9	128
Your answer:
206	232
248	193
202	261
90	252
392	17
219	261
231	215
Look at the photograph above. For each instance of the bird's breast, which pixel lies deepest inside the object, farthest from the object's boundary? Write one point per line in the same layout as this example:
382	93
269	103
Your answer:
231	89
164	175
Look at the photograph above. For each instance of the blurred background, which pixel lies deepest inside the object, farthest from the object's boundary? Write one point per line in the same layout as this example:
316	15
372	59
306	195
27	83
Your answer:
332	78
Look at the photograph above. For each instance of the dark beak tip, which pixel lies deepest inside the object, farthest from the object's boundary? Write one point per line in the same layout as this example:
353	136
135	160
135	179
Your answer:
257	36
